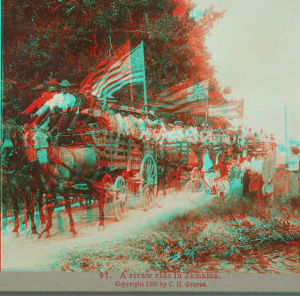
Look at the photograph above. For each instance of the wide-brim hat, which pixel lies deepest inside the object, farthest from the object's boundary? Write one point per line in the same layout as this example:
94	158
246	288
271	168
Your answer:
65	83
52	82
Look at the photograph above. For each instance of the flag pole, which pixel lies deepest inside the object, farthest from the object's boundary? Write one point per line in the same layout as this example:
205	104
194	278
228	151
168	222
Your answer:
285	133
131	88
145	91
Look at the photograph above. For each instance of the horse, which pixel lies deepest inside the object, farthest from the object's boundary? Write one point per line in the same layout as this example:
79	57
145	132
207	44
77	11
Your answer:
51	176
65	164
16	178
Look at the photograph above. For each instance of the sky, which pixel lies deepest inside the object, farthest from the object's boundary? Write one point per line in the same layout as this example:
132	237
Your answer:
255	50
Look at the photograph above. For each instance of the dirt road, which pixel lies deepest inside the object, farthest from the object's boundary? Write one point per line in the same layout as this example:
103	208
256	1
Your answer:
28	253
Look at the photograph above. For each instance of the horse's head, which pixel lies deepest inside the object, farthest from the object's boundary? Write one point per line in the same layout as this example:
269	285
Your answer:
12	142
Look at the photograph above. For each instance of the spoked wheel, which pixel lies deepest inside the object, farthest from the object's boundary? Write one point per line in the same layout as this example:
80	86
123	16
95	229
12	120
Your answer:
148	186
195	191
120	197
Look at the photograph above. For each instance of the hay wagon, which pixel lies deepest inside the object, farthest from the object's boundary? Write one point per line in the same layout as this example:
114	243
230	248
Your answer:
117	167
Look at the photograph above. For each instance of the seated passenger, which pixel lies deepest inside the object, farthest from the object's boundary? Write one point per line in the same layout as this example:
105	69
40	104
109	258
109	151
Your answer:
156	133
140	125
163	132
191	134
177	132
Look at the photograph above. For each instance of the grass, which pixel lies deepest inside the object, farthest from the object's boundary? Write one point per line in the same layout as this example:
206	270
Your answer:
220	230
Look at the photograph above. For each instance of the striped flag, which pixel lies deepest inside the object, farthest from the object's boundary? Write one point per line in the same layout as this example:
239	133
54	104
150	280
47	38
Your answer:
229	109
122	68
102	69
180	98
132	70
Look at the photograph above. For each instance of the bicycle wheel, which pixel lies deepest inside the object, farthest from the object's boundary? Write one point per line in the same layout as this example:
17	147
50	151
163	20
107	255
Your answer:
195	191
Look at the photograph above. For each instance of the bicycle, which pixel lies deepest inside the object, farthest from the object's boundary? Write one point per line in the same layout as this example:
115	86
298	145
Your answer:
198	189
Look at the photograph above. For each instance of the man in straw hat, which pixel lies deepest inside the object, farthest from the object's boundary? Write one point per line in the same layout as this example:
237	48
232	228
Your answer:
63	100
44	98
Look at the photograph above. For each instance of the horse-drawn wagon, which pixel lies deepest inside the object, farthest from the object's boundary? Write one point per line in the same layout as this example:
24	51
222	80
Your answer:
97	162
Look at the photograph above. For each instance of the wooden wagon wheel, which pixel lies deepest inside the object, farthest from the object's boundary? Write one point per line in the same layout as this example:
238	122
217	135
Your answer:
254	186
195	190
148	186
120	197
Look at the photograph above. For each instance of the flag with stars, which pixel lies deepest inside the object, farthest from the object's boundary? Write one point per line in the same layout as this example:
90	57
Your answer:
132	71
122	68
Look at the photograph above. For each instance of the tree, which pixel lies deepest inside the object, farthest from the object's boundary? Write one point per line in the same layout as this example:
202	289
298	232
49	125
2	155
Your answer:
69	38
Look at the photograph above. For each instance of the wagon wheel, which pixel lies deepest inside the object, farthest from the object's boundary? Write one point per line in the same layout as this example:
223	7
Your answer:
148	186
254	186
120	197
268	189
195	191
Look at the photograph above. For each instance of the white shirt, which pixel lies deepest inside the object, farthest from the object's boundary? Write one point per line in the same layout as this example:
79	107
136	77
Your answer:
207	163
256	165
191	135
177	134
60	100
121	122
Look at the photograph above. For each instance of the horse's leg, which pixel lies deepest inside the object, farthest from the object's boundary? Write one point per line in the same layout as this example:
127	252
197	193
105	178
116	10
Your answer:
30	208
69	211
57	210
16	211
50	207
40	203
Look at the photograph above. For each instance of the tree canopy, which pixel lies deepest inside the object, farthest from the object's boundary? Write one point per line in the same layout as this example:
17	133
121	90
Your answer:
66	39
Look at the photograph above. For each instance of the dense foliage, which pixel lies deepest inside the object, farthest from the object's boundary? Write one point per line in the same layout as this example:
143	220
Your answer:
66	39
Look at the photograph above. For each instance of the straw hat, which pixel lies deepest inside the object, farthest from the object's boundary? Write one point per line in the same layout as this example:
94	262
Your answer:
65	83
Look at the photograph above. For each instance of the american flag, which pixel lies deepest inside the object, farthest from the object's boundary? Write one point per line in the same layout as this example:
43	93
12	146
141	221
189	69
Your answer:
102	69
123	68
